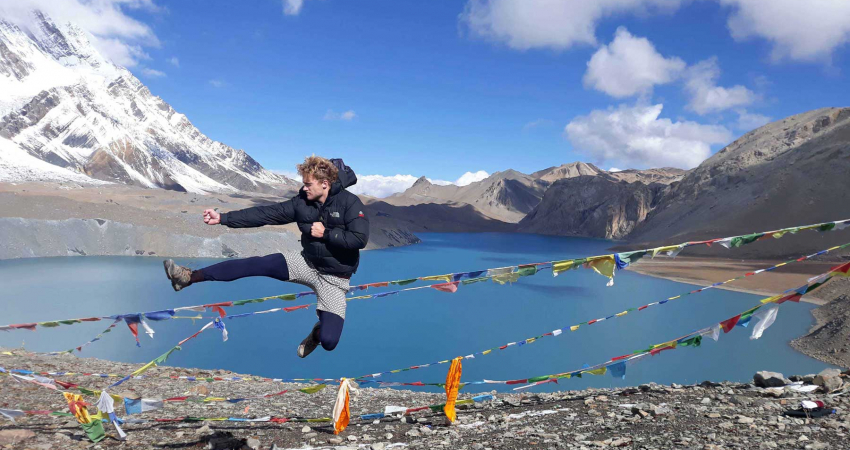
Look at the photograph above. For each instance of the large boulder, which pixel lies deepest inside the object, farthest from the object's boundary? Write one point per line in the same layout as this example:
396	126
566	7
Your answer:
767	379
830	379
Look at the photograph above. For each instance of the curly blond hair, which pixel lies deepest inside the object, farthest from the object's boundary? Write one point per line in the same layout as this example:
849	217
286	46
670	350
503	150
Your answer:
319	168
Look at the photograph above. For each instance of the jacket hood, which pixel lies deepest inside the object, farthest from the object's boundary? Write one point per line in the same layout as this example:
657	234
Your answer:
347	177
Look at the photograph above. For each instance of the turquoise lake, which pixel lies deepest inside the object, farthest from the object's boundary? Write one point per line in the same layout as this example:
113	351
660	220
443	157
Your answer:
412	328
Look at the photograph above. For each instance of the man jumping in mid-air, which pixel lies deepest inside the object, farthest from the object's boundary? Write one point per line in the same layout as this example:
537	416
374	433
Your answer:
333	228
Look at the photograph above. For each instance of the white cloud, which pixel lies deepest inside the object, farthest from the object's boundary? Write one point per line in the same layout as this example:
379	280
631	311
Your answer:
116	35
152	73
471	177
706	96
381	185
614	169
289	174
537	123
292	7
557	24
217	83
347	116
751	121
799	30
174	61
629	65
635	136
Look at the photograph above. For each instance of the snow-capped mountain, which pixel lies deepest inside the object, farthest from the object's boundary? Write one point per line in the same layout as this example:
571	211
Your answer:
68	113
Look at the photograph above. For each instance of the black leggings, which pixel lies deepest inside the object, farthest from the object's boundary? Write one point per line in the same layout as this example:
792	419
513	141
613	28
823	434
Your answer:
273	266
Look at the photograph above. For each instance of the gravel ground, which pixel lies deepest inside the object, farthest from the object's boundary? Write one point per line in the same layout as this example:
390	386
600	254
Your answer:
705	416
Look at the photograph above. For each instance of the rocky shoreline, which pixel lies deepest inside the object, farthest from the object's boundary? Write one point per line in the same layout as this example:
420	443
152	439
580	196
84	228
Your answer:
704	416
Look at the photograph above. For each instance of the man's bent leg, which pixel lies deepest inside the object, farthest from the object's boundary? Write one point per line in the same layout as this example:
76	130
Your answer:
273	266
330	330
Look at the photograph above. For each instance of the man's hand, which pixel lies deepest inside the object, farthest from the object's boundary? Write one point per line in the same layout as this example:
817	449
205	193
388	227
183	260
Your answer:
212	217
318	230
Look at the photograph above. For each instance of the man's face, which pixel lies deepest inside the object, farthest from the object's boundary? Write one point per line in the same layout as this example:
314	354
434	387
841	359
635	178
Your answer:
314	189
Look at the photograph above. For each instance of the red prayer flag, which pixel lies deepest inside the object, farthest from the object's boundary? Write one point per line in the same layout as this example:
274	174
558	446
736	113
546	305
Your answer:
656	351
795	297
219	310
90	319
843	269
66	385
446	287
210	305
294	308
517	381
728	324
279	420
643	307
25	326
176	399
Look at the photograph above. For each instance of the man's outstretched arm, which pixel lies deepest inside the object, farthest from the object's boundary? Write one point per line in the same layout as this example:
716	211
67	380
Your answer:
275	214
355	235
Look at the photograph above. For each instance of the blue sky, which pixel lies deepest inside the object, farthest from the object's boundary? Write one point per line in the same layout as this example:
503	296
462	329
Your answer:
448	87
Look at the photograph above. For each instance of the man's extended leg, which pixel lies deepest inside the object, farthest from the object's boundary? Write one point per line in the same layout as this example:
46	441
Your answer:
273	266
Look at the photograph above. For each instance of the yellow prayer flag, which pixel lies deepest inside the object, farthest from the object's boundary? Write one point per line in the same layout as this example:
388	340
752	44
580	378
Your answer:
600	371
622	314
771	299
77	407
560	266
603	265
447	278
574	327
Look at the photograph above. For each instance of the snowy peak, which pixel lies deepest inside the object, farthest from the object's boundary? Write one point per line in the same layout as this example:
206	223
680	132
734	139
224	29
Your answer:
63	103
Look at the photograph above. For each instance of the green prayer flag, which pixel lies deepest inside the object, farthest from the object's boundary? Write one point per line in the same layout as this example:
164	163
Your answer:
61	414
287	297
48	324
313	389
827	226
695	341
162	358
474	280
404	282
744	240
94	430
536	379
631	257
437	408
245	302
85	391
69	322
525	271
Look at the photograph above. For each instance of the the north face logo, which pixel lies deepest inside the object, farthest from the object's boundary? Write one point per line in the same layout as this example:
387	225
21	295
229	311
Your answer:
360	214
335	214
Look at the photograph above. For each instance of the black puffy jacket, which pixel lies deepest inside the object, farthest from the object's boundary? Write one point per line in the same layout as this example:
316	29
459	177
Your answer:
342	214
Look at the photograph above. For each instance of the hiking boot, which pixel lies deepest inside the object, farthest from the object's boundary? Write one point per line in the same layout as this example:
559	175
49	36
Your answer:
180	276
309	344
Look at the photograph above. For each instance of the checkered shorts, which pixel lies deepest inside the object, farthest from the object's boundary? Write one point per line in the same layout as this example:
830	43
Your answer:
330	289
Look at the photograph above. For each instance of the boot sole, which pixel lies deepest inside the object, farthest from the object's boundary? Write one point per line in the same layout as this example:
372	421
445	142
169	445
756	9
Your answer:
174	285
